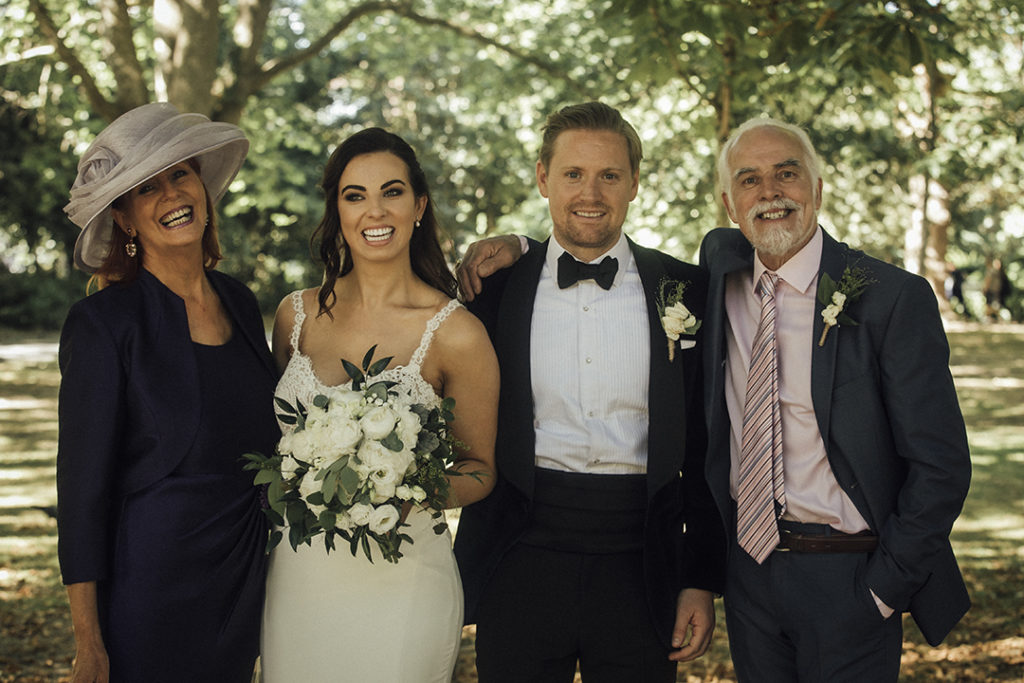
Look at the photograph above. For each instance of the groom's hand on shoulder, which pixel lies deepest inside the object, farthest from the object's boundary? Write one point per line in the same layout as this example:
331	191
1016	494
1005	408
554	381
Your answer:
485	258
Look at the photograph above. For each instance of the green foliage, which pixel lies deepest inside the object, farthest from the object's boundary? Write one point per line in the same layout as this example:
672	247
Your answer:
38	300
468	83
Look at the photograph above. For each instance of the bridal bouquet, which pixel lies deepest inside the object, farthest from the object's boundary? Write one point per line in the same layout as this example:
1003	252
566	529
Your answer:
353	459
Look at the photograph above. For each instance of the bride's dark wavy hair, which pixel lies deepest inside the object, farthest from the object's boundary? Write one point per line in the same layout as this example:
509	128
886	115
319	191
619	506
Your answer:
327	243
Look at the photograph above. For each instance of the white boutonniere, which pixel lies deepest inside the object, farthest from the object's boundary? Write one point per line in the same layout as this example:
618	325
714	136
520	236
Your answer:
836	297
676	318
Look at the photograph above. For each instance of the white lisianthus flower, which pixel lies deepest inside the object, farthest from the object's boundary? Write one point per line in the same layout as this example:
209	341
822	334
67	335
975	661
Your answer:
408	427
383	519
287	443
838	298
288	467
360	513
418	494
403	492
343	522
308	486
378	422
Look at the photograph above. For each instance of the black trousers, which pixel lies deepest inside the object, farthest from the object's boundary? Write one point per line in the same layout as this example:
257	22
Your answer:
572	590
808	617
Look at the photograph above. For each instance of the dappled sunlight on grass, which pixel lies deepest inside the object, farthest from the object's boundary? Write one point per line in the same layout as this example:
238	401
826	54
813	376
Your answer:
988	367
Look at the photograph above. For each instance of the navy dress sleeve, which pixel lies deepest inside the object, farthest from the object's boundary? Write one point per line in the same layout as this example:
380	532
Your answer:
91	417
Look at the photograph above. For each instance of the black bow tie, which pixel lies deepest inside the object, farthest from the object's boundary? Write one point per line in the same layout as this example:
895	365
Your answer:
571	271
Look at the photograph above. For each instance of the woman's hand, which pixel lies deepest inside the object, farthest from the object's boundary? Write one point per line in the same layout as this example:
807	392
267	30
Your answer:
92	665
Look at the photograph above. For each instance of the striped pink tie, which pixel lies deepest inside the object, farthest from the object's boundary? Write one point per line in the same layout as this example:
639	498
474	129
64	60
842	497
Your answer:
760	476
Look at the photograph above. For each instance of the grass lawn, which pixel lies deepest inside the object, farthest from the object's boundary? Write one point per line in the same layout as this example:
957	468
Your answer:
988	363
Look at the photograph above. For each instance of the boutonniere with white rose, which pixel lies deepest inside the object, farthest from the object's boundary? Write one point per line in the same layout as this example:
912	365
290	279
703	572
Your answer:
676	318
838	296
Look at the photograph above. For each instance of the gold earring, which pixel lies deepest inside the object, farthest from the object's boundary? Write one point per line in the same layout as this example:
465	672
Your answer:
130	247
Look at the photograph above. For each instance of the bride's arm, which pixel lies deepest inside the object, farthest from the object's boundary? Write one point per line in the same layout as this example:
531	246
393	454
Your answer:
470	374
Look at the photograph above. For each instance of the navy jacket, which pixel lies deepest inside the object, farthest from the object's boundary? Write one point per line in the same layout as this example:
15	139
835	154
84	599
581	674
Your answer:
129	404
888	413
684	543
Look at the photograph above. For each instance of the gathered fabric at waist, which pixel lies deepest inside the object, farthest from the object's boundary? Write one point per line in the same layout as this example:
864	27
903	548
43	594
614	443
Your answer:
587	513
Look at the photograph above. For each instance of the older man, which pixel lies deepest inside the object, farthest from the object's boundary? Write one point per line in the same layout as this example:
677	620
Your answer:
600	544
837	450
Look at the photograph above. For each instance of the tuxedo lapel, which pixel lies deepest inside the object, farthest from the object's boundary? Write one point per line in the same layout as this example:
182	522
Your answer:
823	358
666	428
512	343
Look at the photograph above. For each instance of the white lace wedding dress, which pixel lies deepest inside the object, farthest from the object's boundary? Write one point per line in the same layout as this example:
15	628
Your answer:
335	617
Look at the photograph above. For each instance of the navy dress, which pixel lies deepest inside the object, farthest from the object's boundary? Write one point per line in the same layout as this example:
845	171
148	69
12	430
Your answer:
185	594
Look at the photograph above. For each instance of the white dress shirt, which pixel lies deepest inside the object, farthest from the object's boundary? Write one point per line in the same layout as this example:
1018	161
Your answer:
590	369
812	493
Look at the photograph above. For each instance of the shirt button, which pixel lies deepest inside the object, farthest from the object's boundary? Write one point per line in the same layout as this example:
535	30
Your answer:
588	360
586	308
590	413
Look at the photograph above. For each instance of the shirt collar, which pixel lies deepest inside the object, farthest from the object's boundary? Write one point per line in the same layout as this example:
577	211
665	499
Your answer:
801	270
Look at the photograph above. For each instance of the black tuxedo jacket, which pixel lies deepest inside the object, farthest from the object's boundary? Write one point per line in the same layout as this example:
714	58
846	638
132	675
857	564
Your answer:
887	410
129	404
684	543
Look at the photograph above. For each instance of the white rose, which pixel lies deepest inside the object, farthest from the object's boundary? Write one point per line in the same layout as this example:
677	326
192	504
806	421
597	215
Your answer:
838	298
360	513
403	492
408	427
288	466
676	320
383	519
378	422
673	327
287	443
344	434
344	399
308	486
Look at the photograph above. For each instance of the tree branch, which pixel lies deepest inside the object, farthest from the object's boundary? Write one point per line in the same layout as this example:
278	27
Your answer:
48	28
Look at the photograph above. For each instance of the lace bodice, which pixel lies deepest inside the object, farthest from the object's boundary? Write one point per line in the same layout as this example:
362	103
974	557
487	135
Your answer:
299	381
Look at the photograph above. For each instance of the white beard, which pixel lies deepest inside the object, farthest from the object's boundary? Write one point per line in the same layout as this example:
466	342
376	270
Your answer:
776	241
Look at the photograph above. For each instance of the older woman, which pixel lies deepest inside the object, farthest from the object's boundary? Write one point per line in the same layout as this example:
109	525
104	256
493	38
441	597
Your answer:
166	381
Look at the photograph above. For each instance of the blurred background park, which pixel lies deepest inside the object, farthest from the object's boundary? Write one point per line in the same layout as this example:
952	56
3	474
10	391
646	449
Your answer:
915	106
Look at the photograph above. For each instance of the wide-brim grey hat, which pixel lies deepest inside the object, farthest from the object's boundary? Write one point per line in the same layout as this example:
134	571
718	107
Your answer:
135	147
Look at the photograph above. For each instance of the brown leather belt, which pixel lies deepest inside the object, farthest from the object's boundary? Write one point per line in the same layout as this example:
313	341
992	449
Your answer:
833	543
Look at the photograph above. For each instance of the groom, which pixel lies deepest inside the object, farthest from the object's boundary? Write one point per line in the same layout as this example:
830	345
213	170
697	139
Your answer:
601	543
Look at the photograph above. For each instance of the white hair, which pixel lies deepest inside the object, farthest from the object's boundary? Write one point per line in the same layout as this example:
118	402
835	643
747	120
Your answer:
724	172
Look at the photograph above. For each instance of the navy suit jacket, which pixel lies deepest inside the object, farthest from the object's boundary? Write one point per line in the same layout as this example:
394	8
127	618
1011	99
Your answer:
887	410
129	404
677	497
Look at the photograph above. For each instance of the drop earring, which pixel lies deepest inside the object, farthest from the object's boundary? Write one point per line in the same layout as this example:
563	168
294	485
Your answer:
416	223
130	247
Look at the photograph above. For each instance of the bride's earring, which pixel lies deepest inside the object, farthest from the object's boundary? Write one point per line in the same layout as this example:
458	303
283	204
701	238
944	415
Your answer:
130	247
416	223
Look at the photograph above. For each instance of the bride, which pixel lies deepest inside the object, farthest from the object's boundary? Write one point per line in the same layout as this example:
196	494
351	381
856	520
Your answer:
334	616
